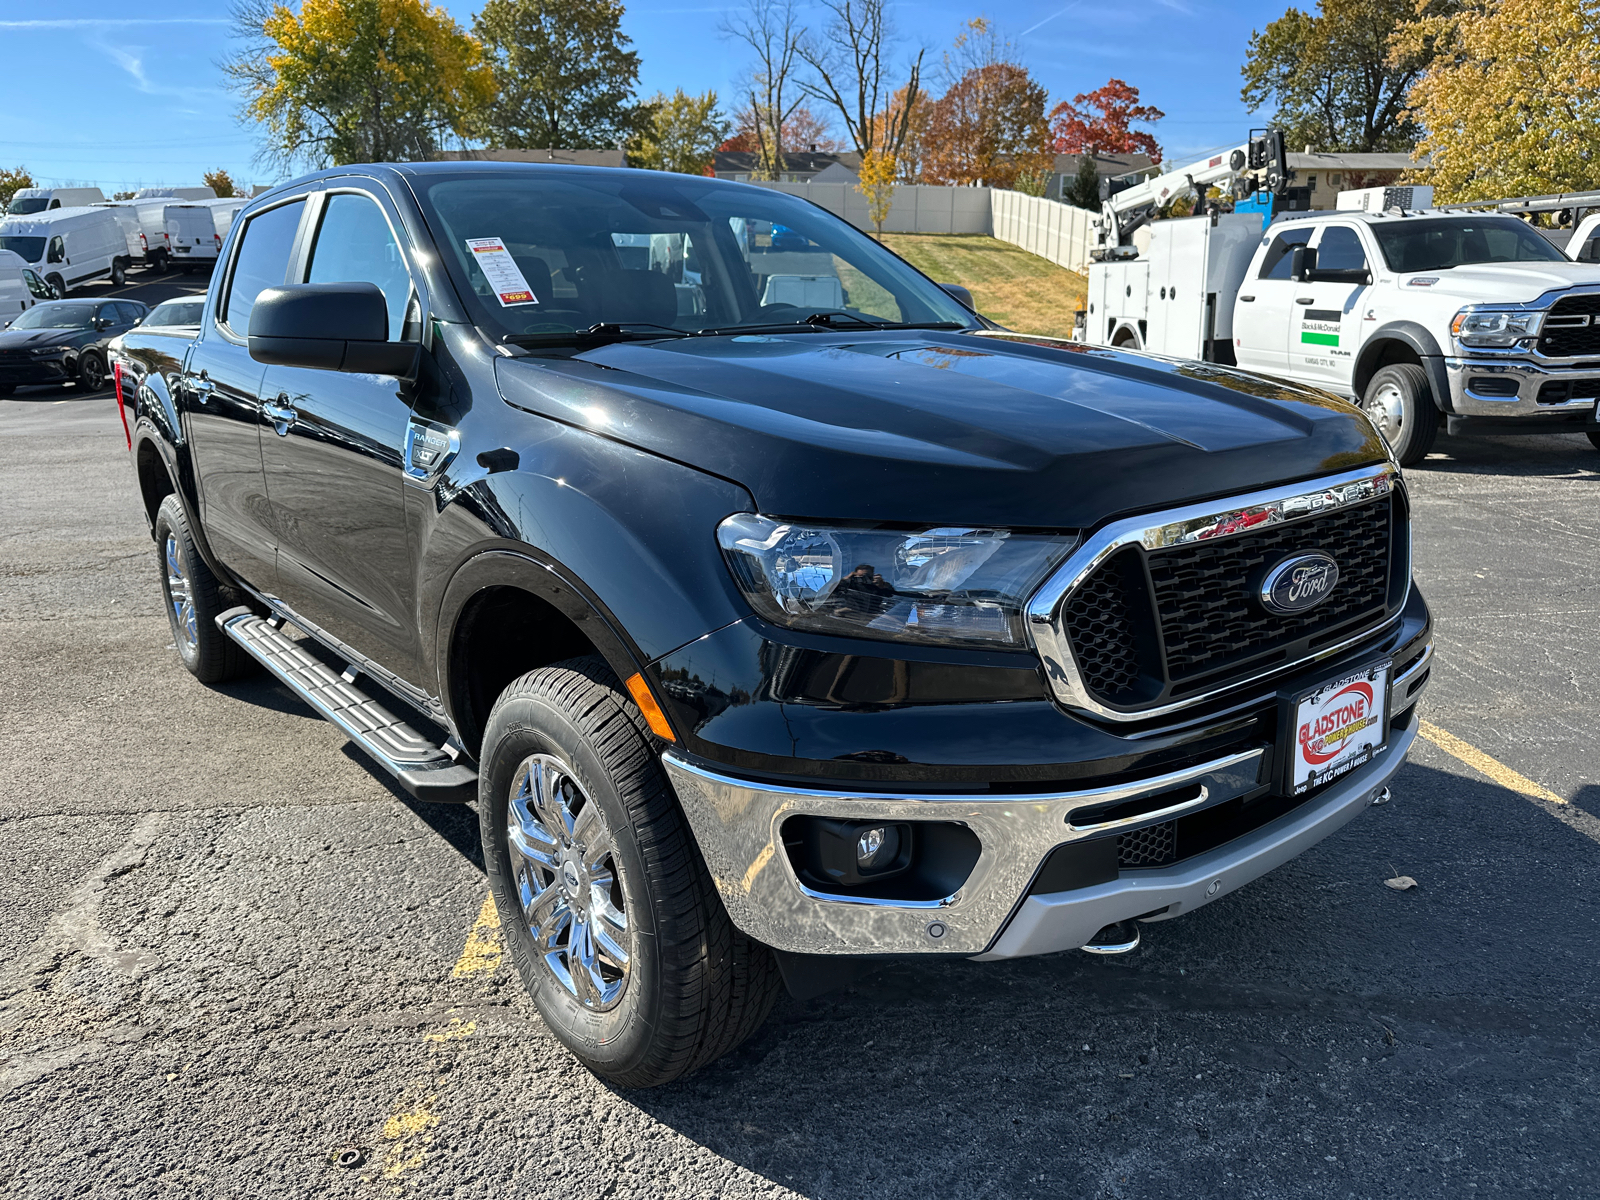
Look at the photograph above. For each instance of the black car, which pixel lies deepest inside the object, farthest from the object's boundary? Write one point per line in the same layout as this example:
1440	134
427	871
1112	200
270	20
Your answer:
61	341
779	613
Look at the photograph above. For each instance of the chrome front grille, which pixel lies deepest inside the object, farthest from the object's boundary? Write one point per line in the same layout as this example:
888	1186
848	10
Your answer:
1161	612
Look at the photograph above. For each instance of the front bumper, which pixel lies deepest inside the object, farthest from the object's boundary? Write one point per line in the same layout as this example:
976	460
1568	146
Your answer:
994	913
37	370
1541	392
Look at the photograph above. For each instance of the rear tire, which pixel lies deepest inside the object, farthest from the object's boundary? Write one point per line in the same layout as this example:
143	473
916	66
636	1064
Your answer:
158	262
1594	440
194	598
119	273
1400	405
663	983
91	371
6	389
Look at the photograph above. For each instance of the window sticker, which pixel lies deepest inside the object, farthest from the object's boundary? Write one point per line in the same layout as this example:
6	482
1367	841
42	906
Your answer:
501	270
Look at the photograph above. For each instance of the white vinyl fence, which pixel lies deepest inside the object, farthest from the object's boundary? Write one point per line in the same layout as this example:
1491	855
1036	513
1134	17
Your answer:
1048	228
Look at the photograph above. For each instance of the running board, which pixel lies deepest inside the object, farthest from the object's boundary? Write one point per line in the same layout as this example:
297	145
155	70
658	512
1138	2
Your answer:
422	768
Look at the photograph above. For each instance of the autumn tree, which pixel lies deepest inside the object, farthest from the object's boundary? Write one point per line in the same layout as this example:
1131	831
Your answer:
773	33
1334	80
346	81
852	73
12	182
876	182
1511	100
1101	122
682	135
989	126
804	130
563	75
220	182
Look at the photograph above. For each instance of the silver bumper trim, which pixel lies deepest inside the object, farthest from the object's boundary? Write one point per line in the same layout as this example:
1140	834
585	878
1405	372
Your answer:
737	824
1530	378
1066	920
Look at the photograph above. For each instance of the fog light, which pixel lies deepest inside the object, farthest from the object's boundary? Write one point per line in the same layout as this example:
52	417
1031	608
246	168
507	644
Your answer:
876	846
852	852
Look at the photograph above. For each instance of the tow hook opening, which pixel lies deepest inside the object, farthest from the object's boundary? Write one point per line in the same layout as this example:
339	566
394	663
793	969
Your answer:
1120	937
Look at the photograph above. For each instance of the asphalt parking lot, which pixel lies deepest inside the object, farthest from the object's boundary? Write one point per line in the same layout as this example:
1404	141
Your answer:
230	953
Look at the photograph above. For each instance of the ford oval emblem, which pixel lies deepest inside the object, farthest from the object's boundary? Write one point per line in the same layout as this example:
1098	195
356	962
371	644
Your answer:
1298	584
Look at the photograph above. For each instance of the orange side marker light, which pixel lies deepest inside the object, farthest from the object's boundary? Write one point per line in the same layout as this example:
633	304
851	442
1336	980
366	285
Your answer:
653	716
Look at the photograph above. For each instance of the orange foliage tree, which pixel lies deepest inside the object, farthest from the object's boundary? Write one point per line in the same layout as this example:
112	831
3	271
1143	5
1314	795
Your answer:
1100	122
989	127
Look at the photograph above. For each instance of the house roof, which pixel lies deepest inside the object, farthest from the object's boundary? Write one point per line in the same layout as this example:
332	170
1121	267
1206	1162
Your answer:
1104	164
799	162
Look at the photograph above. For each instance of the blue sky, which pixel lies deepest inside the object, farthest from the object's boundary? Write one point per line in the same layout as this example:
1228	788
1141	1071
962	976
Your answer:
94	93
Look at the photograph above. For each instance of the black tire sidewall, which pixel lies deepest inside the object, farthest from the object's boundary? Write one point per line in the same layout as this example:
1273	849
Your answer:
1419	418
58	285
118	275
84	362
610	1043
170	519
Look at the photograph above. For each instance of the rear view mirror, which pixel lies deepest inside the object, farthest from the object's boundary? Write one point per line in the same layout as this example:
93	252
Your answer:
328	327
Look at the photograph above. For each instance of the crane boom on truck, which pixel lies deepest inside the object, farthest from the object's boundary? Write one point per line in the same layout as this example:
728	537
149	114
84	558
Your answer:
1465	317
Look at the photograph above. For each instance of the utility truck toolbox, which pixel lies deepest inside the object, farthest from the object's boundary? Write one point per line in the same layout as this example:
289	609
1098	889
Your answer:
776	619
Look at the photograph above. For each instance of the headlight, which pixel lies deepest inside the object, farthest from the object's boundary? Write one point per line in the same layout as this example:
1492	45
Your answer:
947	586
47	351
1491	327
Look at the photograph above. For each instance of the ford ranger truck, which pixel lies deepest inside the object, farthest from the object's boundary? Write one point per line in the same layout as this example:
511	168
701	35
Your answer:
778	613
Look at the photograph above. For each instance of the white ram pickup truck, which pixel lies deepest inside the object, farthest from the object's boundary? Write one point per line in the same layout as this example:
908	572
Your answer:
1416	316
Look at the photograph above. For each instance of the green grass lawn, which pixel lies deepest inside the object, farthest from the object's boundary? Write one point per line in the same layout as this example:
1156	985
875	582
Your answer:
1019	290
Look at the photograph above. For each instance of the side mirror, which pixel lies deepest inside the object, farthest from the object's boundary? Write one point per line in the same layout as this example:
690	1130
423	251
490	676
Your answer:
1302	261
961	294
328	327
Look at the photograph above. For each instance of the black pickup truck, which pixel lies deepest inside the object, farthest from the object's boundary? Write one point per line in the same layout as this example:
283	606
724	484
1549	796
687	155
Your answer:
778	613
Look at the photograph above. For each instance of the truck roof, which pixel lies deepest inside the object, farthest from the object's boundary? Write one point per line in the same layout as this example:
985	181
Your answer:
1375	218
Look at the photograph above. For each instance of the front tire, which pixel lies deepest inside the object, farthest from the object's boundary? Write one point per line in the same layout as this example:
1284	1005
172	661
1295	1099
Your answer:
194	598
1399	403
1594	440
57	285
610	915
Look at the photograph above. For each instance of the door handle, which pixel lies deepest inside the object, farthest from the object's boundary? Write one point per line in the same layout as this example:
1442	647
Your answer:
1305	299
201	388
1248	299
281	415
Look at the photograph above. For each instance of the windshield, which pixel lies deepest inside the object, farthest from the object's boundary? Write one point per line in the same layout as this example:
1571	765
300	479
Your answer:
31	248
176	312
541	255
29	204
56	316
1438	245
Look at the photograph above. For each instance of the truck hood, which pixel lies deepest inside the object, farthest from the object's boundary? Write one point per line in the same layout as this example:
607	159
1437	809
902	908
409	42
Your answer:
947	428
1507	283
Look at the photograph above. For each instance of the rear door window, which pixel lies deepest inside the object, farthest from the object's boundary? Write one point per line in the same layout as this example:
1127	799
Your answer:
1279	255
262	261
1340	250
355	245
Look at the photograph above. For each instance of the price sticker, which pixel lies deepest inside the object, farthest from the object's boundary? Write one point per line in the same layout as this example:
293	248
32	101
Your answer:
502	272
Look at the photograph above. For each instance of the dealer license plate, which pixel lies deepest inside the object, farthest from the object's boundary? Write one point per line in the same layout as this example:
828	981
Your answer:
1339	726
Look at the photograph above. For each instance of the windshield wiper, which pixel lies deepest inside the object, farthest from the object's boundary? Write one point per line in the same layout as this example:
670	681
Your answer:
599	334
813	324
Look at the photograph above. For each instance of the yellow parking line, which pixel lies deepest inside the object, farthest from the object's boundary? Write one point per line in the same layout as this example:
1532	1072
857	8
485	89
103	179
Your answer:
484	949
1484	765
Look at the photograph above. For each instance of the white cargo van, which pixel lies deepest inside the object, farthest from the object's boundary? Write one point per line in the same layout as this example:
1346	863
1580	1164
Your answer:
37	200
144	226
20	287
68	246
223	211
192	235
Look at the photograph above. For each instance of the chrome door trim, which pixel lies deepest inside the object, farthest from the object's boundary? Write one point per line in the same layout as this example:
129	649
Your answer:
1181	526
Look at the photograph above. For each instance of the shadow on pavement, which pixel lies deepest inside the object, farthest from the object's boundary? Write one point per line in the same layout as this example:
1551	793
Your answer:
1521	455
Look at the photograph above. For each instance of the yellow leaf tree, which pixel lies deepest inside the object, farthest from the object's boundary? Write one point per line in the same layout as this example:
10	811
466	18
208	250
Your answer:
220	182
345	81
875	181
1511	104
682	135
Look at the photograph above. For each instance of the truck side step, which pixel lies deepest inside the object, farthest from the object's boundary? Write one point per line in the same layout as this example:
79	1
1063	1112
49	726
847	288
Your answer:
421	767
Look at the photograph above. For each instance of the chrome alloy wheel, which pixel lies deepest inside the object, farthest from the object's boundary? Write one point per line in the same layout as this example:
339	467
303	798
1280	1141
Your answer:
1386	408
180	593
565	866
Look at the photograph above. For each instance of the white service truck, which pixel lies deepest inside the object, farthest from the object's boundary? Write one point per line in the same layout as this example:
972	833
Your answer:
1421	316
